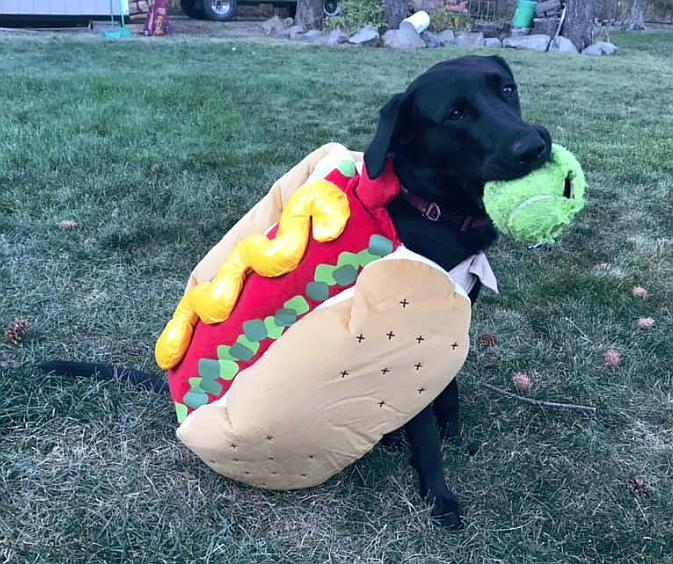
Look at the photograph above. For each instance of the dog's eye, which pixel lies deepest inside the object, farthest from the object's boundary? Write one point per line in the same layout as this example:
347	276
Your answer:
509	91
455	115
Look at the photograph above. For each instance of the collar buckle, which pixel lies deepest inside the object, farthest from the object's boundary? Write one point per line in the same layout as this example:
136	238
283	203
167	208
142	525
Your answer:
433	212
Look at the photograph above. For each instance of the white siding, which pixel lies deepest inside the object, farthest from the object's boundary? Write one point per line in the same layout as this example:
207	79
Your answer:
61	7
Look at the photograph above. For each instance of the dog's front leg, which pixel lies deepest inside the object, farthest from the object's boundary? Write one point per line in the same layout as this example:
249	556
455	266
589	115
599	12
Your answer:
446	411
426	458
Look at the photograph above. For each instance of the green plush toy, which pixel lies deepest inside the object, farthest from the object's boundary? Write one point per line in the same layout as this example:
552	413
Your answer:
535	208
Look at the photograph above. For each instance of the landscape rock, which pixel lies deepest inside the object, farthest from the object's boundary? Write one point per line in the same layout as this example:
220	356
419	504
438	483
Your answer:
599	49
282	33
337	37
529	42
519	31
273	25
470	40
366	36
403	38
297	32
313	35
431	39
547	7
547	26
446	37
492	43
563	45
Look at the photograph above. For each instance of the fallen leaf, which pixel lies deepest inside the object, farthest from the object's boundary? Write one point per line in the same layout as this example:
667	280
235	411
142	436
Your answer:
646	323
639	487
68	225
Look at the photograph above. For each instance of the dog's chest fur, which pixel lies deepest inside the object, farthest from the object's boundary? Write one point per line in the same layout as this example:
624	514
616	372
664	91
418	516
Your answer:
443	243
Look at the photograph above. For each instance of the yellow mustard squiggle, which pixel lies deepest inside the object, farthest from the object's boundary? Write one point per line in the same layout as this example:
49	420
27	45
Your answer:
319	207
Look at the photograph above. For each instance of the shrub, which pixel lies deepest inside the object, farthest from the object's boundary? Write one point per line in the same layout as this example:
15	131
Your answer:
441	18
355	14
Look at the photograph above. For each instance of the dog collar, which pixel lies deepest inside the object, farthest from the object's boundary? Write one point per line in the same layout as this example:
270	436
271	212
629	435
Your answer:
432	212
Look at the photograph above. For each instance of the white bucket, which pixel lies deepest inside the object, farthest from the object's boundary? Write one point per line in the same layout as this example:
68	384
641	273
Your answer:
419	21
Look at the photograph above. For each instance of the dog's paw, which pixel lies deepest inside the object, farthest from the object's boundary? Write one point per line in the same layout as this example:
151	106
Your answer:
470	447
446	511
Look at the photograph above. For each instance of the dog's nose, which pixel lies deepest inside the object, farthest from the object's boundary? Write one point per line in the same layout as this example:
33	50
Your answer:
528	151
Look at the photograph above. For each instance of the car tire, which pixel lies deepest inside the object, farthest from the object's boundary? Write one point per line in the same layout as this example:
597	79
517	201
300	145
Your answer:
219	10
192	8
331	8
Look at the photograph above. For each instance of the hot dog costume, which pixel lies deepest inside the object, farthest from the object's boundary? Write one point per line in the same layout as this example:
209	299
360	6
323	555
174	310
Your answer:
319	357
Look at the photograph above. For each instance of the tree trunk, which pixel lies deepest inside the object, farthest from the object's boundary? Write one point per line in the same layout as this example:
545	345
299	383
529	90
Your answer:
309	14
610	9
578	26
635	15
394	12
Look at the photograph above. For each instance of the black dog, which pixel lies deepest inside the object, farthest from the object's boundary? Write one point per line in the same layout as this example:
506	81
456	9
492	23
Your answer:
456	127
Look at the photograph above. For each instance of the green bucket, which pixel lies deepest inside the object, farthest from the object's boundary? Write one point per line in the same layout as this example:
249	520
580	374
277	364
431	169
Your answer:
525	10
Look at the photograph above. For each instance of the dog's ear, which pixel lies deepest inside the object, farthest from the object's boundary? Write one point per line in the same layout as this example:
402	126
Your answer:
498	59
377	152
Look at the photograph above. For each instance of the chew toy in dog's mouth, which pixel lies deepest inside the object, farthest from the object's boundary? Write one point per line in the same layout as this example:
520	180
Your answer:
534	209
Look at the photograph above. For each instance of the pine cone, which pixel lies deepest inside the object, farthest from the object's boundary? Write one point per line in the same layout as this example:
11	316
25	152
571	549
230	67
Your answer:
488	340
639	487
16	332
68	225
612	358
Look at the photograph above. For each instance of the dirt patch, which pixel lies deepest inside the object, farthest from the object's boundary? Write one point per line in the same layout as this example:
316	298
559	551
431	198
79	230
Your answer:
242	26
247	22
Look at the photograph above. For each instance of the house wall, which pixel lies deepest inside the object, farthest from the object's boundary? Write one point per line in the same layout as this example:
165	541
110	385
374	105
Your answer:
61	7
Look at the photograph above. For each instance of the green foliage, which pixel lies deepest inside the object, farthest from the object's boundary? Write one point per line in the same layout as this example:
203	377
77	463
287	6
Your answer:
442	18
355	14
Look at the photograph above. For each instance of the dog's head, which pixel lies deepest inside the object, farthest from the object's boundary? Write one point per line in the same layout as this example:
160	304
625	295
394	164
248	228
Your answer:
457	126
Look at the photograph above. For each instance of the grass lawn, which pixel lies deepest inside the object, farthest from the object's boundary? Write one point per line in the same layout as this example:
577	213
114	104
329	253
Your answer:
91	472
